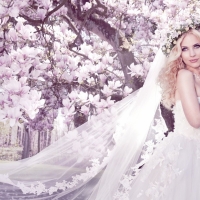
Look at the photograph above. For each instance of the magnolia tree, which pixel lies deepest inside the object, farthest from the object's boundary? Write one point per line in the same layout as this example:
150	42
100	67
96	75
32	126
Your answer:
73	57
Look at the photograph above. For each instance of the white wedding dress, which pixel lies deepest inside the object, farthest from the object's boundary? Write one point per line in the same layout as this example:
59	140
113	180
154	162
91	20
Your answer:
173	172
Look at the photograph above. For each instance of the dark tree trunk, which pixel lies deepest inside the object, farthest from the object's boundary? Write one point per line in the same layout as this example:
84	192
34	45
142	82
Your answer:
26	142
19	135
38	141
112	36
49	138
168	117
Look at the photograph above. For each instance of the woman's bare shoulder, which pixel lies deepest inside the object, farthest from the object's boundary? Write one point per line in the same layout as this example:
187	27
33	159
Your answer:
185	76
184	73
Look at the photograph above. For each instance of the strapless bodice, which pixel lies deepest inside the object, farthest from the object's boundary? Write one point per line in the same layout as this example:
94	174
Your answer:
181	125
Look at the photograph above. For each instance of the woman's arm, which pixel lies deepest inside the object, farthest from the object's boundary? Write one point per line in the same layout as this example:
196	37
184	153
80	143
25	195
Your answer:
188	97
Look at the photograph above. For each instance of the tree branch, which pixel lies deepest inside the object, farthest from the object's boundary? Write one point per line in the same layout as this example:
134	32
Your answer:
54	10
80	54
33	22
39	22
103	7
73	28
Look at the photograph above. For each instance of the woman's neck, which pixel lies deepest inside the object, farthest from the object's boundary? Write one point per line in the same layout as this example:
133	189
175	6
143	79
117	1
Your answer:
194	70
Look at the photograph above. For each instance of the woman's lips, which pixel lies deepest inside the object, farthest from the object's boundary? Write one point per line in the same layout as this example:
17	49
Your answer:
194	60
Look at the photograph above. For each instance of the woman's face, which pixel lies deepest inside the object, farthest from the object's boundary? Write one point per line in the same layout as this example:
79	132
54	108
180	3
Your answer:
191	51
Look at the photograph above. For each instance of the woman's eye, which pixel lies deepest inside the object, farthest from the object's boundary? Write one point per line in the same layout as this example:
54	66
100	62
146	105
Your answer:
197	46
184	49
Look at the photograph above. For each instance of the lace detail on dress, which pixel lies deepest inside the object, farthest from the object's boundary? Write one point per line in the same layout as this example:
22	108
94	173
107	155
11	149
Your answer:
91	171
5	178
169	161
164	164
158	129
154	174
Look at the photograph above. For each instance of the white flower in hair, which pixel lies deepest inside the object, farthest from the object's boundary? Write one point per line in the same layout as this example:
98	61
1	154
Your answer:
176	33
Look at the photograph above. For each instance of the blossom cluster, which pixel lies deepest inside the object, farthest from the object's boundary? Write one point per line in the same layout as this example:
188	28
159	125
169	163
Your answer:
53	61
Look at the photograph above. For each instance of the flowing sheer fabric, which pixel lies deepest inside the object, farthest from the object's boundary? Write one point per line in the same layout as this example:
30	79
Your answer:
172	172
99	159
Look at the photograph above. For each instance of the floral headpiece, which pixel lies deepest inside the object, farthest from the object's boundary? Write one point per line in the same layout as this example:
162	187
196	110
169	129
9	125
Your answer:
176	33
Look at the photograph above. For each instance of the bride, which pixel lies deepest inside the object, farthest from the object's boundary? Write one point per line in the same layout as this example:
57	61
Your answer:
123	154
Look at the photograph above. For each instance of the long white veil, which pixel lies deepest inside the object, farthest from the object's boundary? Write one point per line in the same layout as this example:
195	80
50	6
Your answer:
98	160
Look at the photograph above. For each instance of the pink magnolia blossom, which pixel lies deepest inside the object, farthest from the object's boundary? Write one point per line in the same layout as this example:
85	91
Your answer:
13	11
145	51
15	67
107	59
85	49
136	70
36	73
30	107
46	3
15	87
94	57
41	66
82	74
25	33
41	13
89	66
68	77
103	104
106	91
73	95
146	66
5	59
73	62
127	91
85	110
146	10
29	52
102	78
113	85
183	5
87	6
12	35
63	27
35	95
68	120
31	103
15	100
58	57
19	25
5	72
68	112
22	3
100	67
94	99
91	81
3	10
83	97
109	102
66	103
61	64
25	69
3	98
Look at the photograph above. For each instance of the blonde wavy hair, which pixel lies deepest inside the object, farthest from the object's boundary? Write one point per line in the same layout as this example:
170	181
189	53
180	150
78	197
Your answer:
168	75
